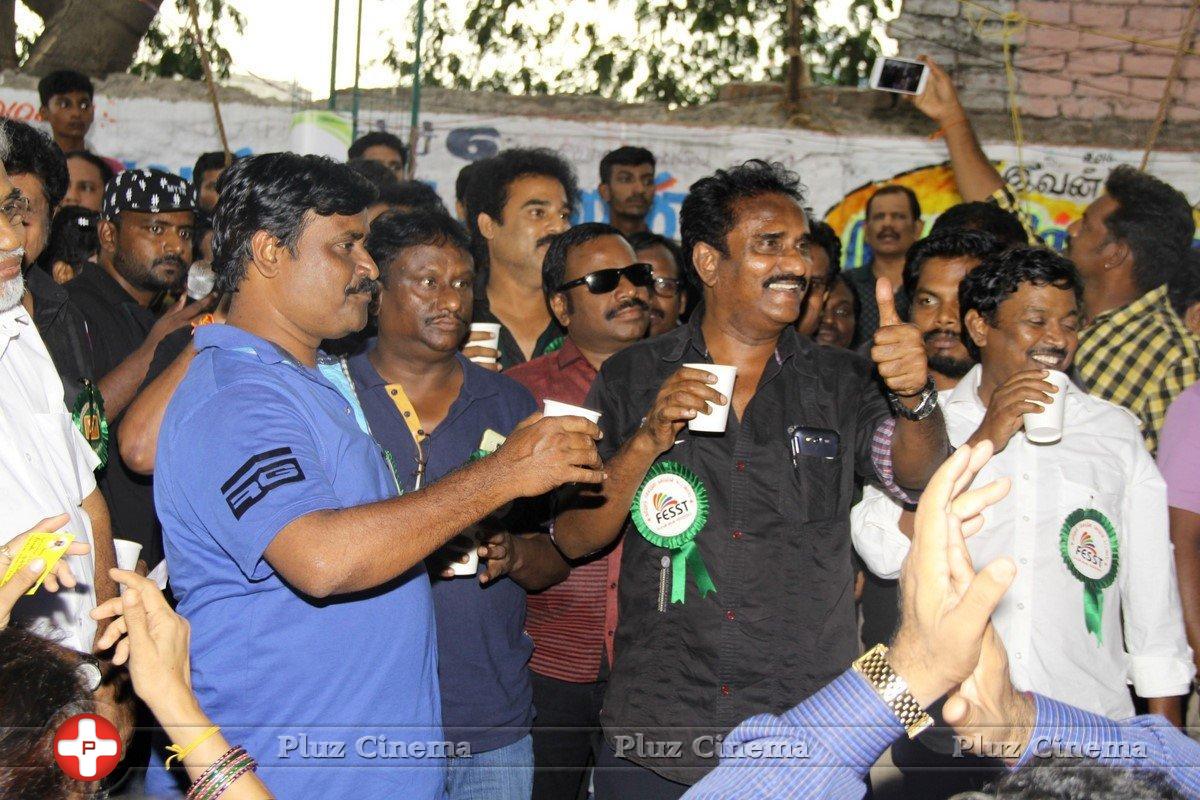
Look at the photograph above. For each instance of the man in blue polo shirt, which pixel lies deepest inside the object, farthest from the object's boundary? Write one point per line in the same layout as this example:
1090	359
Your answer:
432	409
299	568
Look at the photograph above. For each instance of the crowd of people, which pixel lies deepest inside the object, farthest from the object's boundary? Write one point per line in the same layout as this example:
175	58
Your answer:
433	505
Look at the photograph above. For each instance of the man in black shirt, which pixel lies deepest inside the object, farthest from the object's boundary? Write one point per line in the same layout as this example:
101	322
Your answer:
145	249
737	589
517	201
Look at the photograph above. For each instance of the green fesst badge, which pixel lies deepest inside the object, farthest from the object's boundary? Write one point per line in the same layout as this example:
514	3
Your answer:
1088	544
88	415
669	509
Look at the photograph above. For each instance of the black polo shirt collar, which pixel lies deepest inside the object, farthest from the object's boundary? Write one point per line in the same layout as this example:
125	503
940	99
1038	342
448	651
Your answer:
790	346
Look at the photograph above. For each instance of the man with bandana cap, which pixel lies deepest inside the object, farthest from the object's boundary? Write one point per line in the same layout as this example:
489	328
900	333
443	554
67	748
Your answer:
145	248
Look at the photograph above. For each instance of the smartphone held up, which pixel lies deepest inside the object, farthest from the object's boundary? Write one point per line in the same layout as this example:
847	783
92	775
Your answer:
900	75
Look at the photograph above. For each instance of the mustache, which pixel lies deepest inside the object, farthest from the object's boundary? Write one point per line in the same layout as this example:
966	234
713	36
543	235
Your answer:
632	302
1058	353
798	280
929	336
448	315
176	260
892	231
364	286
546	240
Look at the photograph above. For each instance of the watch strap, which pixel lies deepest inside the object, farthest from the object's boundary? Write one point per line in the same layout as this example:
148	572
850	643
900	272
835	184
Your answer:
893	690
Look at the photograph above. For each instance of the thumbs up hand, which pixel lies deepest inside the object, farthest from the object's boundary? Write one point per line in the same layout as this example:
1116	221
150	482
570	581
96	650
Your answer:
899	352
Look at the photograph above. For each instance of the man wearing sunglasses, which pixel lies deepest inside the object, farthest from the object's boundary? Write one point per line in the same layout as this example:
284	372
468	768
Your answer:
601	295
736	591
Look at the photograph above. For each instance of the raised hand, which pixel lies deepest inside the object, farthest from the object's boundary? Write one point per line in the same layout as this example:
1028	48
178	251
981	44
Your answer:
545	453
180	314
899	351
684	395
939	101
945	606
1023	393
474	351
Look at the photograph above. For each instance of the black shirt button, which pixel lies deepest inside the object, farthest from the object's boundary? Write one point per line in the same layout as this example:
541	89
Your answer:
737	534
729	615
725	689
741	466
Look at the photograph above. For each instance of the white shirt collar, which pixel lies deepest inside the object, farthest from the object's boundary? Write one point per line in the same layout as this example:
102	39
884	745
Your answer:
12	322
967	392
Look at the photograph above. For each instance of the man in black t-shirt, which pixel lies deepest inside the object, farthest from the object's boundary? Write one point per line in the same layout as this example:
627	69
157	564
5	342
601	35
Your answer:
145	249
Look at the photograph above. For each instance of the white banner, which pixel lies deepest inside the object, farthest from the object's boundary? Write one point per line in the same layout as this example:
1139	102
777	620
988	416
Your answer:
838	171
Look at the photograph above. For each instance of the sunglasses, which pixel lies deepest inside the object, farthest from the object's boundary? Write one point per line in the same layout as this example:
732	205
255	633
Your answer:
606	280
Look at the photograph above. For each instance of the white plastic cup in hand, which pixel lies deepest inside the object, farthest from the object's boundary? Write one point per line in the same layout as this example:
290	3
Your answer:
1046	426
127	554
492	329
554	408
715	419
471	565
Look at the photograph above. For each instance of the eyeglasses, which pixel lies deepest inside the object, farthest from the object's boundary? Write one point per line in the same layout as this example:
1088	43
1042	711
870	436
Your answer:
667	287
604	281
16	209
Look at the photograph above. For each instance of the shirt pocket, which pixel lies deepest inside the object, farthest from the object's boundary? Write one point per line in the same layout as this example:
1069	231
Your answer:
813	486
1091	486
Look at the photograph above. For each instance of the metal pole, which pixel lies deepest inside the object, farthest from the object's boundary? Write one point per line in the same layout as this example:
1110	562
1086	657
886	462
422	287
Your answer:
357	62
414	125
337	4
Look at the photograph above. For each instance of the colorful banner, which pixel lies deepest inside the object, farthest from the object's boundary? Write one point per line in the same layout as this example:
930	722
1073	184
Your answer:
839	171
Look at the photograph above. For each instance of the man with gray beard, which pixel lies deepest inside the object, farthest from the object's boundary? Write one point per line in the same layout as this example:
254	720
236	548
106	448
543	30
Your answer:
46	480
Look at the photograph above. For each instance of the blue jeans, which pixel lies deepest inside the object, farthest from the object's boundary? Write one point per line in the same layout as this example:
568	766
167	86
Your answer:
502	774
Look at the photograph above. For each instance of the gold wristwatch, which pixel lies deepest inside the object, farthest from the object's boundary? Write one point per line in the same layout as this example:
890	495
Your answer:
892	689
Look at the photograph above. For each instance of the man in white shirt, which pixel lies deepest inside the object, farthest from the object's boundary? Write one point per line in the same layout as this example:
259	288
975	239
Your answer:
1075	632
45	464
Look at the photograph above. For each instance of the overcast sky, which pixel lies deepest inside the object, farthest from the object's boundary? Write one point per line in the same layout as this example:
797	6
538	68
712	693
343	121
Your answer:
290	40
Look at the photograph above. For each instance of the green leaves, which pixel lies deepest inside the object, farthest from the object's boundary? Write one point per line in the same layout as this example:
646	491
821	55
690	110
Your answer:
168	53
673	51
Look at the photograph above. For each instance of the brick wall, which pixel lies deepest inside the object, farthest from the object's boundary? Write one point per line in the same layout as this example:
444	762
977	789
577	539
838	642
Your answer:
1066	74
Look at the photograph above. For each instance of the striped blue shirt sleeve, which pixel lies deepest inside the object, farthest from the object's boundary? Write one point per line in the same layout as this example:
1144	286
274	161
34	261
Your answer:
1140	743
823	747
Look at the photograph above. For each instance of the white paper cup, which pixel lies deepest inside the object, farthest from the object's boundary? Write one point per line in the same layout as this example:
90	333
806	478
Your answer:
492	329
470	567
714	420
1046	426
127	553
553	408
464	544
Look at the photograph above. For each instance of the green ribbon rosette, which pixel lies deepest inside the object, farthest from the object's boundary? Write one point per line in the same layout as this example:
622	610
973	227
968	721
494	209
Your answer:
88	415
669	509
1088	545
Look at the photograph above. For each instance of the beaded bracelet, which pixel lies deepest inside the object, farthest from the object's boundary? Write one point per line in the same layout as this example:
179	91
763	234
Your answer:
215	771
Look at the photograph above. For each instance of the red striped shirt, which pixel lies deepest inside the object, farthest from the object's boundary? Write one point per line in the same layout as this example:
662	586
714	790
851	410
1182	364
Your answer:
573	622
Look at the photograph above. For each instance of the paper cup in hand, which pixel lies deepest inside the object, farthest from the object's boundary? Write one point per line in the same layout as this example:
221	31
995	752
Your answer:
1046	426
127	553
553	408
492	329
713	421
458	547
